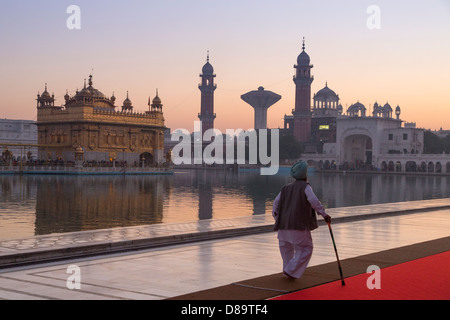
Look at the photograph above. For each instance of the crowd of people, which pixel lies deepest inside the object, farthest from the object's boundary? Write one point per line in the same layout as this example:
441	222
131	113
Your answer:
15	162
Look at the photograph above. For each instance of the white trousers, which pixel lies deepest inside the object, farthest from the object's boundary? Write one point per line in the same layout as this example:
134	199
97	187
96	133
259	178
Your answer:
296	248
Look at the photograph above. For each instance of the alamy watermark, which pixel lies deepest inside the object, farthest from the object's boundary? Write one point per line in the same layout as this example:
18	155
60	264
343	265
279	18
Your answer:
74	280
73	22
374	19
374	281
235	147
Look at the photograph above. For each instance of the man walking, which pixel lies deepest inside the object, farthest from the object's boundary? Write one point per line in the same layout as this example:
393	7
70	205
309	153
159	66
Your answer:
294	211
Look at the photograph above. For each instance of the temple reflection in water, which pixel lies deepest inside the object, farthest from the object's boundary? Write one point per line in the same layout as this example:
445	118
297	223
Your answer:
37	205
84	203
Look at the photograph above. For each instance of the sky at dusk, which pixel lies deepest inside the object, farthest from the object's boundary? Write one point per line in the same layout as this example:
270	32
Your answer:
143	45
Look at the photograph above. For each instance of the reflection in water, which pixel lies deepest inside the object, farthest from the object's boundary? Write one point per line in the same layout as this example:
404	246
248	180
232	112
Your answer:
37	205
66	204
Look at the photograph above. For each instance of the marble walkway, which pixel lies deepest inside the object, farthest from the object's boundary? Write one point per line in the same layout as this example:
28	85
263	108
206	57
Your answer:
163	261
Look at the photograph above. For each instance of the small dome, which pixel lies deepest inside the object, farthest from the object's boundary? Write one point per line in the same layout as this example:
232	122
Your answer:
156	100
325	94
45	99
95	93
303	59
356	109
84	93
208	69
357	105
127	102
387	107
45	95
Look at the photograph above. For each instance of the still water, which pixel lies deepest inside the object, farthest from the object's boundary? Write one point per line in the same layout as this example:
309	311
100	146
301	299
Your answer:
39	205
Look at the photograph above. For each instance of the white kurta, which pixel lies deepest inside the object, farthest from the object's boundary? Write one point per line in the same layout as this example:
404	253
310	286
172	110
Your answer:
296	246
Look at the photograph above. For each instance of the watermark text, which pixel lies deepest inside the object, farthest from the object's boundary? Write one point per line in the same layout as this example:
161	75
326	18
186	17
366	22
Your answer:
74	280
374	19
374	281
235	147
73	22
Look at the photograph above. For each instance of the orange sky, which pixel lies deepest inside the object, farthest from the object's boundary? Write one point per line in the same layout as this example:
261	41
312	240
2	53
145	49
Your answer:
162	44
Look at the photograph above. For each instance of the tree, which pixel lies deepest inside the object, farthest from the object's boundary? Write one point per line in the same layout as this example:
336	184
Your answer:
447	144
432	144
289	147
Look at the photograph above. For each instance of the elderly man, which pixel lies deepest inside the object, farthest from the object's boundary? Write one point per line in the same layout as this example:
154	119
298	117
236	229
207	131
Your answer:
294	211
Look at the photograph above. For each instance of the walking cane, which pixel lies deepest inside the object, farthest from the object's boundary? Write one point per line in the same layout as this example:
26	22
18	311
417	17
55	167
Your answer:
337	256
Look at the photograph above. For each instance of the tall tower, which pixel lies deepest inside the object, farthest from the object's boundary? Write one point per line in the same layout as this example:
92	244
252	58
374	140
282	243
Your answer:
207	87
261	100
302	112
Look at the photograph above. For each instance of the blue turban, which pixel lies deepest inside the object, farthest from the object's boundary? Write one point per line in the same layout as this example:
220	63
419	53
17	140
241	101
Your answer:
299	171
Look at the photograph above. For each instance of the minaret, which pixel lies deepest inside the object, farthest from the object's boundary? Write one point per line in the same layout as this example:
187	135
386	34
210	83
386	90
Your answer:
302	112
207	87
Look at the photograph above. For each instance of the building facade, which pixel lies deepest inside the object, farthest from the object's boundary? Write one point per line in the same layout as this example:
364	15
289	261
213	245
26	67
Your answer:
353	138
19	139
89	120
325	110
365	140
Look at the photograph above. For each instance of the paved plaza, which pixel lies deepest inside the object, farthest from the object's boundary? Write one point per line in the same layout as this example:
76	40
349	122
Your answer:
184	260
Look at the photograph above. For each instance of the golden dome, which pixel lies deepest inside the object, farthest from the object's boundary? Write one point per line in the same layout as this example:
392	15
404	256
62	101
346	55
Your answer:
156	100
127	102
45	95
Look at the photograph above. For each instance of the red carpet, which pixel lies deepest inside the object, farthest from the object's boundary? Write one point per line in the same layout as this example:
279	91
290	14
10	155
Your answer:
423	279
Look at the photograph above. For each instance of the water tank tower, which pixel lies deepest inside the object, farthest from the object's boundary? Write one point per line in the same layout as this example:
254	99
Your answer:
261	100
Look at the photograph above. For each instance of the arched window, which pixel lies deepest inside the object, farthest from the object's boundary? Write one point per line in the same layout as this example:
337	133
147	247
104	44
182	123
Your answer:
411	166
438	167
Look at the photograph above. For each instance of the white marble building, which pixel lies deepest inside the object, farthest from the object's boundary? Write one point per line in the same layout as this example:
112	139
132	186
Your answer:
16	133
378	141
365	139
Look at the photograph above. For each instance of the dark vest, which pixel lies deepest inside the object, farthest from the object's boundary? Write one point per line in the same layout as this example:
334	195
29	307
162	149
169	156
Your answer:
295	211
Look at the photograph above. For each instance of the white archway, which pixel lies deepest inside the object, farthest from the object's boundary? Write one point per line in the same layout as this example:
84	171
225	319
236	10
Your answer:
357	148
